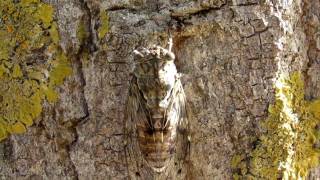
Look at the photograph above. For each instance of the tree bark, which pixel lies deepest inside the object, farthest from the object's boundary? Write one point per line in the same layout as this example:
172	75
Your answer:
231	54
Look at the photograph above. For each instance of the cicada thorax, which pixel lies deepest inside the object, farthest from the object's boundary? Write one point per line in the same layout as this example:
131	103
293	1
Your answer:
156	84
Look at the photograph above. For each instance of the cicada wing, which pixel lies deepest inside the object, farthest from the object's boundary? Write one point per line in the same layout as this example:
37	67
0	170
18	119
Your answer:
132	106
134	116
135	111
183	128
176	112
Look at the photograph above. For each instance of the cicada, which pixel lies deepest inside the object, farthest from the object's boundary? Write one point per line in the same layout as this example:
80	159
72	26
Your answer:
156	104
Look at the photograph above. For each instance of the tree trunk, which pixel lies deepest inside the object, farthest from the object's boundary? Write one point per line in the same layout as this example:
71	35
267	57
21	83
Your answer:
238	58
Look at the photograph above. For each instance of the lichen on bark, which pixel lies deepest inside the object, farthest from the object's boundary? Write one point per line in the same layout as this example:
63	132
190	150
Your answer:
288	148
228	52
31	63
104	21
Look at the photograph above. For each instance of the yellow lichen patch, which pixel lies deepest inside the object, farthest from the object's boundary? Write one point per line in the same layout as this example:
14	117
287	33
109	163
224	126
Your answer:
288	148
16	71
31	63
54	33
104	24
82	32
17	128
83	35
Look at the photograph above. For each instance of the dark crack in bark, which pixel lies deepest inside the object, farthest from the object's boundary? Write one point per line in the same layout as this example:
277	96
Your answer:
89	17
196	10
77	122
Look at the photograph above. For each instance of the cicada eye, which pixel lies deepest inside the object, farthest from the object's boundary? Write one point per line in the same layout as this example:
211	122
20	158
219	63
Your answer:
168	87
170	56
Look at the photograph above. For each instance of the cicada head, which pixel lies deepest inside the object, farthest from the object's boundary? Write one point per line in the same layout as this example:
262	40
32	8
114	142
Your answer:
156	74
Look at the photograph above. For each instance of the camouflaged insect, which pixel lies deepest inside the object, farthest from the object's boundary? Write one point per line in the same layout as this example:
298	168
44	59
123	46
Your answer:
156	105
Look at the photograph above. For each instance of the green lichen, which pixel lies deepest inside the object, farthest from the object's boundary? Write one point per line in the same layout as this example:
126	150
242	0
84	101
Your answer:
83	35
104	24
288	149
31	63
82	32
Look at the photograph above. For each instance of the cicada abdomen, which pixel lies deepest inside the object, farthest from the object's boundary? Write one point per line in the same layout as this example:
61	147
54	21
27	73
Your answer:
156	104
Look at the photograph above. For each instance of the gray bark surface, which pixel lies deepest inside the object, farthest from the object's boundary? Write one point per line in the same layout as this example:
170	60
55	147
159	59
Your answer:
227	53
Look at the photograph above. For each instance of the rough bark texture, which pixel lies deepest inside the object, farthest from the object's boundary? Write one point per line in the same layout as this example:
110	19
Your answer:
230	52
